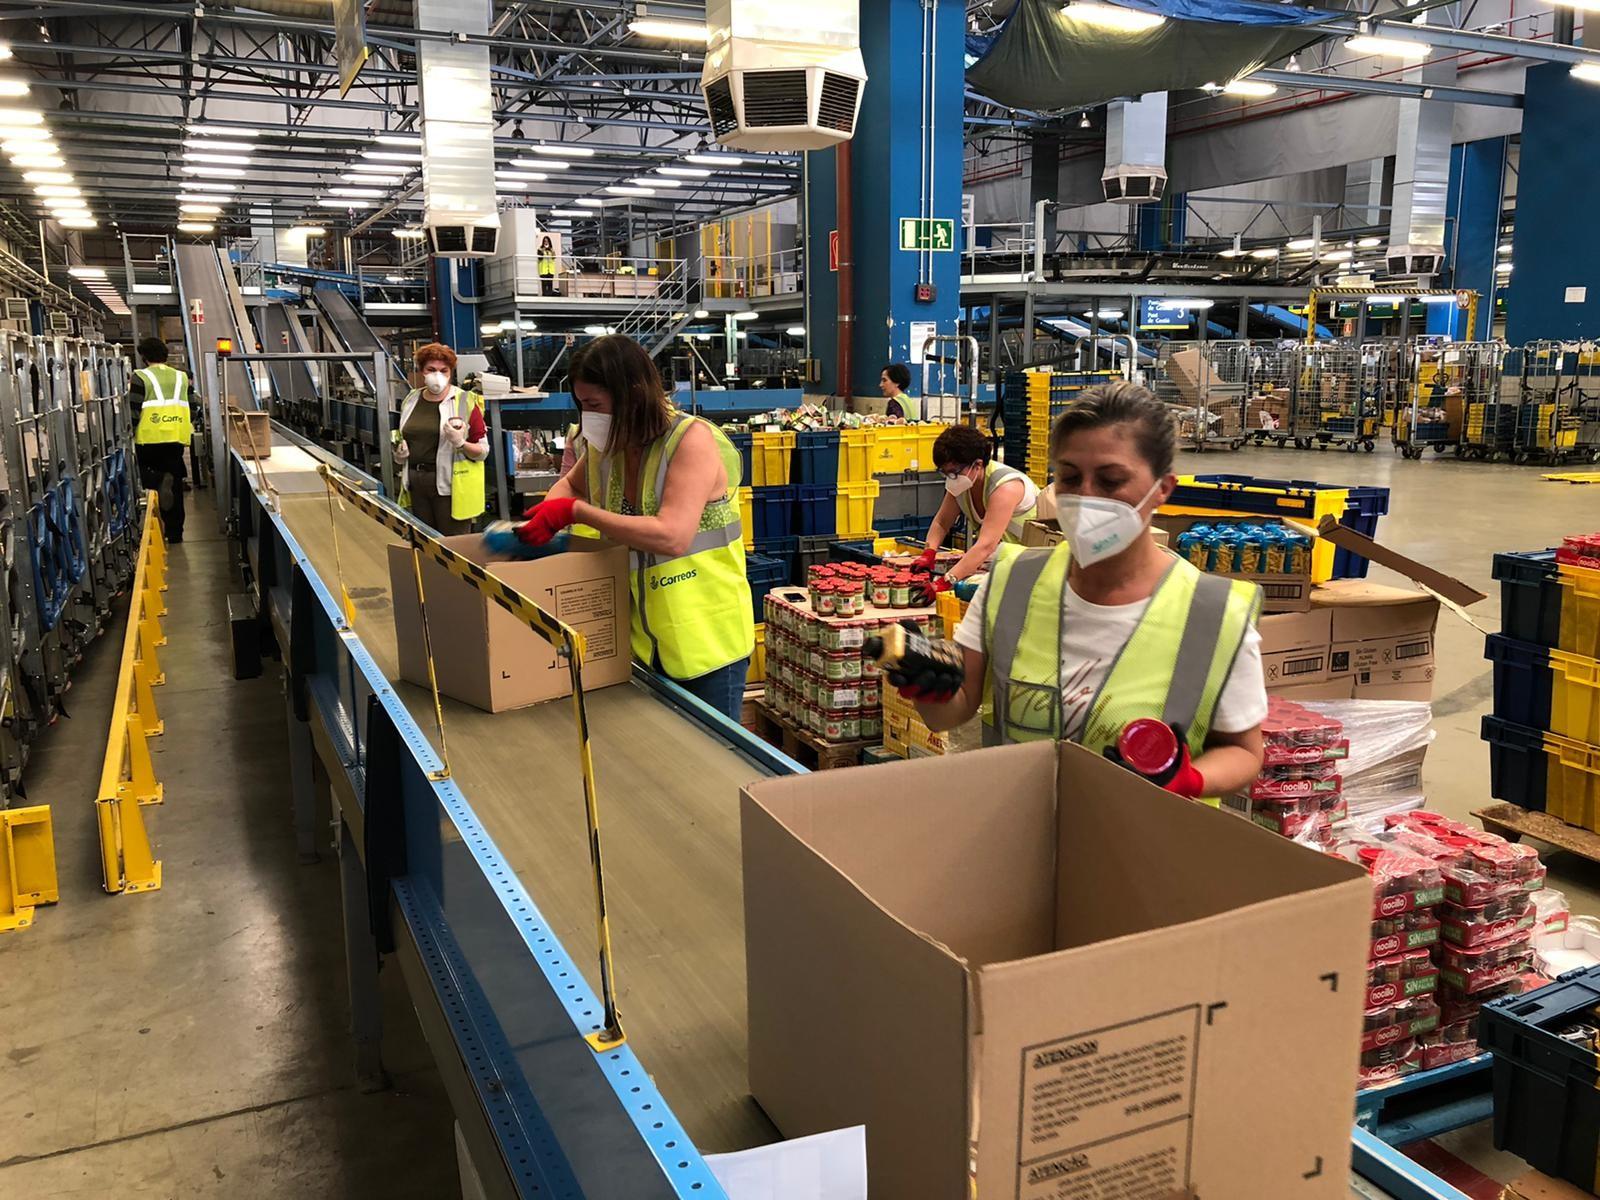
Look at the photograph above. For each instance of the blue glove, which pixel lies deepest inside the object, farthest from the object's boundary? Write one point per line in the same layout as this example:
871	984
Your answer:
501	539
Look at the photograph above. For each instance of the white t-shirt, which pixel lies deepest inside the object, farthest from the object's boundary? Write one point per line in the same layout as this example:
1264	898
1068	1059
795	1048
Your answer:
1091	635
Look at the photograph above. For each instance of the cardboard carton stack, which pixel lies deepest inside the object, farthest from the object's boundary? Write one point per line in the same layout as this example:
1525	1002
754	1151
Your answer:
1270	553
818	678
1358	640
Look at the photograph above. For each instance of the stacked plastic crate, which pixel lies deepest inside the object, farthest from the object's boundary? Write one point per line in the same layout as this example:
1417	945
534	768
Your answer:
1544	732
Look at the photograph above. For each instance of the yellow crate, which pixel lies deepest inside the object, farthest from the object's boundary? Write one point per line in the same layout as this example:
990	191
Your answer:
1580	610
1572	781
856	449
951	608
927	435
771	455
902	735
747	516
894	449
1575	696
758	658
854	512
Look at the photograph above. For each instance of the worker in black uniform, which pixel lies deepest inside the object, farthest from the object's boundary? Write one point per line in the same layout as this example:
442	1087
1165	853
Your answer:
160	399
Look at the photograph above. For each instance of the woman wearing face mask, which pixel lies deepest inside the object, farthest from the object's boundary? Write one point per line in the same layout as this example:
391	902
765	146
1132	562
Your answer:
441	447
1079	640
661	483
997	500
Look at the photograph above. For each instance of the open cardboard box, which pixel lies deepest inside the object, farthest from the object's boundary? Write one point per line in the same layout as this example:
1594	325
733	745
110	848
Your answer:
1076	982
486	657
1285	591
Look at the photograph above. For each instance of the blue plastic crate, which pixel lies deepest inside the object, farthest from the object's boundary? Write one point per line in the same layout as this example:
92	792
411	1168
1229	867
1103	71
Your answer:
816	457
741	443
1521	680
817	510
772	512
764	574
914	526
1530	596
1519	769
781	548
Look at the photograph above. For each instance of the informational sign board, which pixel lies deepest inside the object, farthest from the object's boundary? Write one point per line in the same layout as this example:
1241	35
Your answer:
927	233
349	41
833	249
1155	313
921	331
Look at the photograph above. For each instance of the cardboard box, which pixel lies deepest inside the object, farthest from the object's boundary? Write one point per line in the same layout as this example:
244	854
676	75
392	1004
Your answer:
1281	592
486	657
250	433
1062	955
1183	369
1295	649
1364	612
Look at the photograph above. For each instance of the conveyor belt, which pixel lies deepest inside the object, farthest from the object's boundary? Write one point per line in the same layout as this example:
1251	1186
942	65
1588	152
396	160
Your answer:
352	329
292	382
203	277
669	815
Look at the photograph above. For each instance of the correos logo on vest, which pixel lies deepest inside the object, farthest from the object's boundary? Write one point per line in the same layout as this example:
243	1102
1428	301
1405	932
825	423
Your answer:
669	580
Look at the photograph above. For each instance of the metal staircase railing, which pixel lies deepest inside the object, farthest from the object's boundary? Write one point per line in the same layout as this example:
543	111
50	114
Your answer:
661	316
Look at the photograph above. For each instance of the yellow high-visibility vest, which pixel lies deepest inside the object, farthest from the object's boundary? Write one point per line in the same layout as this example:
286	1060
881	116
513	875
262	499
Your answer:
164	416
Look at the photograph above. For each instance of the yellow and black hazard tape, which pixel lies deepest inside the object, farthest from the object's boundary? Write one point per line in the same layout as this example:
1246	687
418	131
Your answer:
480	579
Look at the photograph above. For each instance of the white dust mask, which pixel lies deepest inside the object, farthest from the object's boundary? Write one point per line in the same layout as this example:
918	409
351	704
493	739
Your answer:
596	430
958	485
436	381
1098	528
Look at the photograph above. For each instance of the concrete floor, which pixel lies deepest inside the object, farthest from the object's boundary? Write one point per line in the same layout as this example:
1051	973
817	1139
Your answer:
192	1041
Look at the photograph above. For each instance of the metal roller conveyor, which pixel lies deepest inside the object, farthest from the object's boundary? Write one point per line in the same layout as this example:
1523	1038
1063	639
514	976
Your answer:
492	895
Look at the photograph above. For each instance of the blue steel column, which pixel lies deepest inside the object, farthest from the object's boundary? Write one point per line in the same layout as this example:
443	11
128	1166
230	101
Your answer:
1555	247
886	186
1477	176
458	322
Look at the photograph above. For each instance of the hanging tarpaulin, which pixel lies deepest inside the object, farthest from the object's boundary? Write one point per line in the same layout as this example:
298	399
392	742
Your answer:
1044	58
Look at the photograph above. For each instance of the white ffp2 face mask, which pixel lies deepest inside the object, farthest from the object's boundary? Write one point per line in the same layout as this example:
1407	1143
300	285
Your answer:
958	485
436	381
596	430
1098	528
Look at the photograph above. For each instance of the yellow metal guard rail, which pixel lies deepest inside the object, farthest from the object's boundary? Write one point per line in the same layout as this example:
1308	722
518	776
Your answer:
128	778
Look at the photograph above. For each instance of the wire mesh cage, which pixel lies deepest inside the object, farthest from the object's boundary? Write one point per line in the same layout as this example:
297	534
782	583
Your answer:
1474	383
1558	414
1337	395
1200	382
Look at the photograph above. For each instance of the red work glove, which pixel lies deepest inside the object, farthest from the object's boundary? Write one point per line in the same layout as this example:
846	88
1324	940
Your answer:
547	520
932	670
940	584
927	558
1179	777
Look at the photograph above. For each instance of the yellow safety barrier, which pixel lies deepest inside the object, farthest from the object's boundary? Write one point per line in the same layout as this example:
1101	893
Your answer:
27	865
128	778
568	643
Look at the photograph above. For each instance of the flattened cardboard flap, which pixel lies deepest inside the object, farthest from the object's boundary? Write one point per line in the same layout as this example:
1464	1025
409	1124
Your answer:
1450	588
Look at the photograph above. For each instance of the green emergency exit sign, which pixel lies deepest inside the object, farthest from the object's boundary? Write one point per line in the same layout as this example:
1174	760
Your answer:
927	233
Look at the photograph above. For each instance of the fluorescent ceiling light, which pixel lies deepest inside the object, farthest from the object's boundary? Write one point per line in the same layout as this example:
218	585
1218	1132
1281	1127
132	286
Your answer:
715	160
1230	252
5	51
1109	16
214	172
1109	314
673	31
747	316
13	87
489	328
221	131
20	159
229	160
200	144
21	116
19	134
510	185
700	314
1265	252
796	331
569	212
599	330
1300	244
563	151
686	172
1587	72
56	189
195	198
47	176
540	164
407	156
589	202
1249	87
360	193
308	230
204	210
195	226
329	202
652	181
620	190
1369	243
1335	255
1504	268
407	235
525	176
1388	47
1505	248
1196	304
399	139
87	272
377	168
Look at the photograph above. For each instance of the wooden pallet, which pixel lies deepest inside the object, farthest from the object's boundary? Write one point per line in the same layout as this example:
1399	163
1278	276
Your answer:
805	747
1513	824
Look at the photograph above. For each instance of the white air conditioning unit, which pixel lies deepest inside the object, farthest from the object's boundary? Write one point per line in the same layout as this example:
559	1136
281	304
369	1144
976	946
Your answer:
1132	183
16	311
60	322
1415	260
461	213
781	75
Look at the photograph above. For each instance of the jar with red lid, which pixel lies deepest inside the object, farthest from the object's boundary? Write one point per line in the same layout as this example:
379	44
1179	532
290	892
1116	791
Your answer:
881	593
825	599
900	590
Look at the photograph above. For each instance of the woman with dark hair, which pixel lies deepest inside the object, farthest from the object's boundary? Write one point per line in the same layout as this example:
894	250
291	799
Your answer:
661	483
893	381
1108	640
996	500
547	267
440	446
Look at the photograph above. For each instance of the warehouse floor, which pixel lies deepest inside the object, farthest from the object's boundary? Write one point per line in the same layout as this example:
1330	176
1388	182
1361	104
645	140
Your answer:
192	1042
